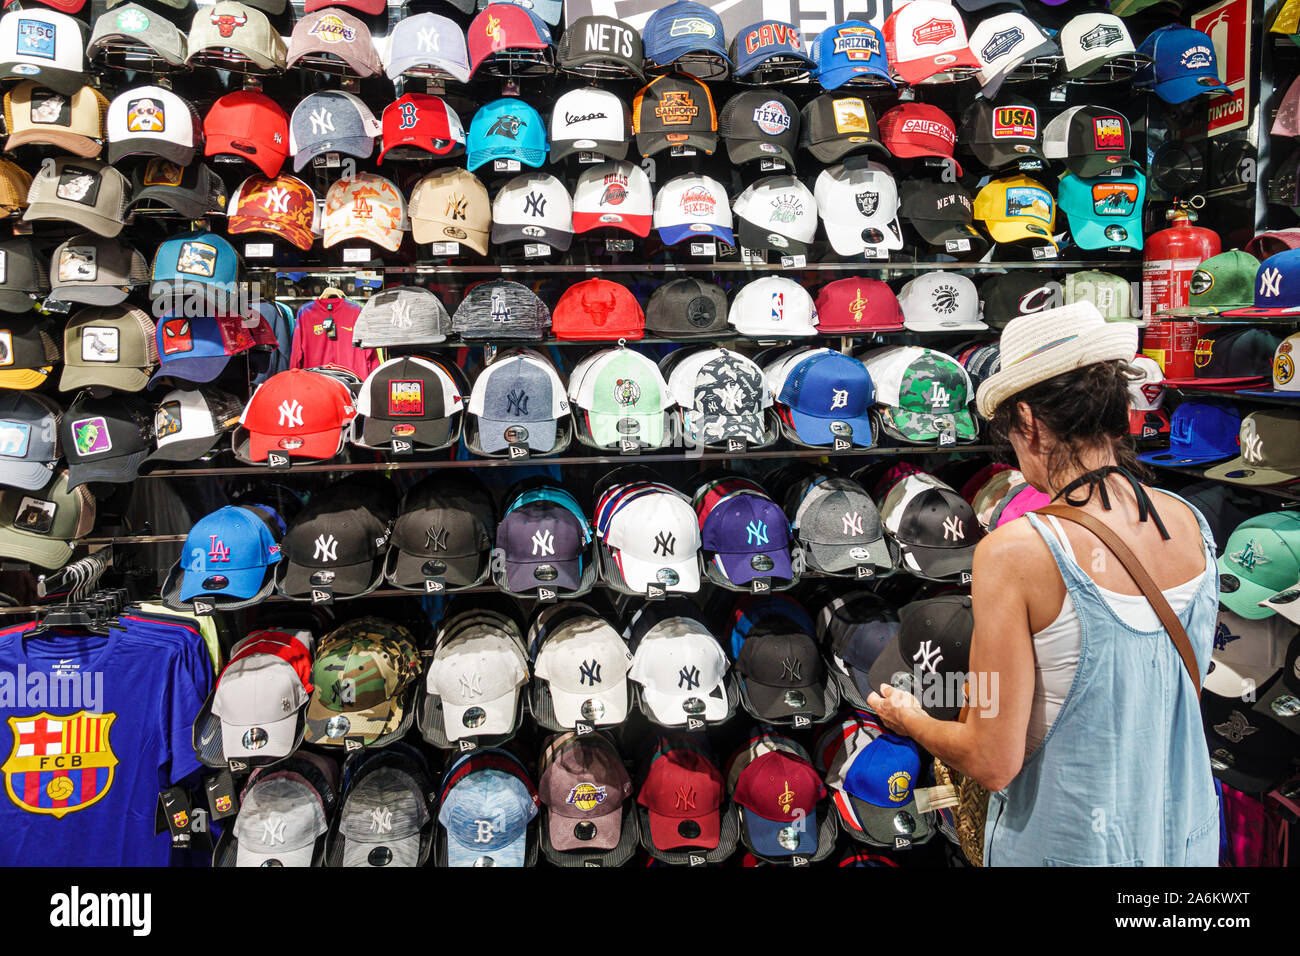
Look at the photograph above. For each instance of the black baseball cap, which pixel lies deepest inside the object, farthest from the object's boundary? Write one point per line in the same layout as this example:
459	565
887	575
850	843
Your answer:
338	540
444	529
412	399
674	110
604	46
1018	292
1282	700
106	439
1231	357
30	347
837	124
942	213
782	675
193	191
1092	140
1248	751
760	124
687	308
855	628
934	637
23	276
934	526
29	439
1002	133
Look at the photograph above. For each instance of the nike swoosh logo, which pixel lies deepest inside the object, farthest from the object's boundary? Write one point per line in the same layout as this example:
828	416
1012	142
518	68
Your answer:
207	738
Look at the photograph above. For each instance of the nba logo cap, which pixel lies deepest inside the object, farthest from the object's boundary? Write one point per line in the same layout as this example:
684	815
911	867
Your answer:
850	51
506	129
250	125
297	413
82	191
583	784
282	206
417	124
926	37
1199	433
188	423
683	29
773	305
235	26
29	440
613	196
74	123
519	399
1104	212
859	207
153	121
597	310
427	42
500	27
366	207
600	46
227	553
1183	64
773	44
408	399
105	439
592	121
45	46
858	303
871	774
332	121
111	346
692	206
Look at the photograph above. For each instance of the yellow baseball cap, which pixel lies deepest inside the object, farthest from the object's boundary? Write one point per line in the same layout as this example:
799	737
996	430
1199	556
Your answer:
28	350
14	184
36	114
1017	208
451	205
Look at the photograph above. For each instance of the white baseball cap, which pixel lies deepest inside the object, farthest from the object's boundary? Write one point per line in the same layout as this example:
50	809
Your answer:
615	196
859	207
1246	652
924	38
1091	40
1108	292
589	120
1003	42
258	700
153	121
692	207
477	675
681	668
39	44
365	207
773	306
655	539
533	207
940	302
585	663
779	213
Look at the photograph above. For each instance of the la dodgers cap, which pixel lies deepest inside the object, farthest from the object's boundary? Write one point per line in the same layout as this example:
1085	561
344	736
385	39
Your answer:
419	124
1183	64
687	29
533	207
837	124
250	125
674	110
1003	131
1093	40
692	206
919	392
925	38
427	41
411	399
1199	432
73	122
406	315
614	195
859	207
29	439
858	303
43	45
1260	559
366	207
590	121
598	45
849	51
334	33
451	205
501	309
105	439
687	307
506	129
227	554
933	640
332	121
188	423
82	191
297	412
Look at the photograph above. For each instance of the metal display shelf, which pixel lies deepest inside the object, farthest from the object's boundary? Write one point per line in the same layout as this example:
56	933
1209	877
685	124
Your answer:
684	267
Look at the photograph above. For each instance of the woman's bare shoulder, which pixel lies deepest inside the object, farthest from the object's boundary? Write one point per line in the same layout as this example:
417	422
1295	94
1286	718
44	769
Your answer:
1016	540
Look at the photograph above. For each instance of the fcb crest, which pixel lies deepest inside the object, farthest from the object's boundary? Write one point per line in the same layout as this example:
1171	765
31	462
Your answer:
59	764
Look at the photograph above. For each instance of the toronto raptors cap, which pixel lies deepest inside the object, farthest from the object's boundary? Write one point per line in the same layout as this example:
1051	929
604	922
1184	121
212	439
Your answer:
777	213
338	539
1092	140
282	206
1093	40
131	24
1003	42
1105	212
502	27
590	121
760	124
912	130
773	306
1016	293
1183	64
250	125
334	33
687	307
533	207
939	302
597	310
835	125
418	124
501	309
506	129
942	213
236	26
332	121
933	641
153	121
599	46
82	191
518	399
42	45
924	38
111	346
692	206
689	30
105	439
613	196
74	123
427	42
859	207
858	303
451	205
406	315
194	191
366	207
227	554
849	51
409	399
188	423
1002	132
297	413
674	110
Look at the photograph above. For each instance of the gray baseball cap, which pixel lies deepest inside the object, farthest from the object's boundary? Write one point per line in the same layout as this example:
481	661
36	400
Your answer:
332	121
501	309
838	523
29	439
336	33
383	820
235	26
43	526
81	191
193	190
402	316
95	270
280	819
23	278
519	399
427	40
131	24
548	10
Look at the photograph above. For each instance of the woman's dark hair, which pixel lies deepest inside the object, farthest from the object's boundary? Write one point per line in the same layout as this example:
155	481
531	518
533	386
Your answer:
1085	408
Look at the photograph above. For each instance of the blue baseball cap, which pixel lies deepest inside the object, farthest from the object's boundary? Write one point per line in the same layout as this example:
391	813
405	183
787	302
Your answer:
227	554
507	128
1104	212
191	348
486	809
1199	433
197	257
749	536
681	28
764	41
845	51
827	392
1183	64
1277	288
872	774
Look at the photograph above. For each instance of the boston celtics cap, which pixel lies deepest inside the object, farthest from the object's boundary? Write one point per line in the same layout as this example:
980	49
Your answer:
132	24
618	393
239	27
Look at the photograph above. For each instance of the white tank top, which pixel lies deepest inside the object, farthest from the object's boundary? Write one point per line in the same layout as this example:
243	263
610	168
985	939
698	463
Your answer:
1056	647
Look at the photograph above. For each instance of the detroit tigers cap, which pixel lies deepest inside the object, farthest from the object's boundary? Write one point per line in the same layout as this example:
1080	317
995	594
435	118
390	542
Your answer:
850	51
82	191
40	44
334	34
1183	64
105	439
506	129
691	33
74	123
1003	131
29	439
1105	212
332	121
614	195
687	307
227	554
427	42
759	48
409	399
760	124
250	125
533	207
674	110
590	121
829	395
338	540
601	46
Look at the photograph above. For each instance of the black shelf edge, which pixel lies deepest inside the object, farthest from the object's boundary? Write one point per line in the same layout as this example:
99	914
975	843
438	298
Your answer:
684	267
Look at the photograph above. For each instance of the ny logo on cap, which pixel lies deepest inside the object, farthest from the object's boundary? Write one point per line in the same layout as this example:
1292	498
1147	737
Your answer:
839	398
291	414
277	199
458	208
401	314
273	831
428	40
436	539
322	121
756	532
852	523
589	673
326	548
1252	446
952	529
685	798
665	543
517	402
791	668
381	820
1270	282
217	550
688	677
471	685
535	205
543	543
483	831
928	657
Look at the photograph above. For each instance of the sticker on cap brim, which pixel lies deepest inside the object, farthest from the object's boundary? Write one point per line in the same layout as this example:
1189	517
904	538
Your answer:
761	562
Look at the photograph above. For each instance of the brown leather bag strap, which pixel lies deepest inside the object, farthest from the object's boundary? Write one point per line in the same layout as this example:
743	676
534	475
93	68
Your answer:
1140	577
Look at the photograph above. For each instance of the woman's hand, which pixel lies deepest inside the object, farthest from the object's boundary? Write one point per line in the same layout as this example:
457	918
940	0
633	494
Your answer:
891	706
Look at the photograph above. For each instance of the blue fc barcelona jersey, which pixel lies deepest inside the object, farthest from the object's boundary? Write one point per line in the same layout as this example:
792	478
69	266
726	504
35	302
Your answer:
92	728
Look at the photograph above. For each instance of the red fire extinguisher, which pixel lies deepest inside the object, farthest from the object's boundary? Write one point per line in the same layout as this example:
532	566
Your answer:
1170	258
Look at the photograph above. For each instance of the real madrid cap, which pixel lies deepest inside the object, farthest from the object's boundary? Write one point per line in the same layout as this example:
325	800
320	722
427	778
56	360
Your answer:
74	123
366	207
590	120
43	526
1092	40
533	207
332	121
451	205
29	439
131	24
614	196
113	346
773	306
601	43
227	25
837	124
687	307
406	315
1286	385
154	121
859	207
40	44
501	309
427	41
82	191
507	128
1003	131
674	110
692	206
335	33
409	399
23	278
519	399
760	124
777	213
188	423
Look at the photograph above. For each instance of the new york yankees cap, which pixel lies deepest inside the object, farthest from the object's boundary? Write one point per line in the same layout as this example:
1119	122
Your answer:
544	544
250	125
131	24
840	527
1261	559
34	114
687	307
533	207
280	821
933	641
410	399
298	413
451	205
941	301
82	191
385	820
779	793
584	663
1277	288
1200	432
406	315
871	774
334	33
29	439
1269	453
282	206
260	694
506	129
614	196
760	124
678	664
332	121
362	679
590	121
782	674
418	124
654	538
682	796
746	536
188	423
722	395
501	309
601	44
934	527
519	399
477	674
444	530
112	346
853	629
1092	40
584	785
42	45
430	41
338	540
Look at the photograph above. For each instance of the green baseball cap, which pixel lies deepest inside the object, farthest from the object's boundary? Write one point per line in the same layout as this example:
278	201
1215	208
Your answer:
1108	292
920	393
361	674
1220	283
1270	452
623	395
1261	558
42	526
1126	8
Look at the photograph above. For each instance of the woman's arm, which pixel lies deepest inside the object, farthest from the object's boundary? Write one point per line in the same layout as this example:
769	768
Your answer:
988	743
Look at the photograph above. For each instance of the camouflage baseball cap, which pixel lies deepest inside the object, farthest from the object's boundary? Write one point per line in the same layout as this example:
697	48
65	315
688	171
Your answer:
921	393
362	674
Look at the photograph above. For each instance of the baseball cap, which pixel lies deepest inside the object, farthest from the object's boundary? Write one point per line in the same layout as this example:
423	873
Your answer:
361	678
689	32
154	121
760	124
649	536
106	439
1285	384
1287	120
933	526
679	666
195	260
1093	40
502	27
544	541
584	663
1261	558
859	207
1017	208
941	301
848	52
1002	43
29	440
73	122
408	399
829	396
486	806
778	213
193	191
1220	283
1016	293
297	411
42	526
444	530
924	38
366	207
40	44
778	792
82	191
1269	454
1277	288
1247	654
427	42
932	647
839	525
781	675
533	207
1183	64
590	120
674	110
282	206
692	206
338	539
28	350
583	784
1002	131
912	130
601	46
451	205
280	820
920	392
131	26
406	315
871	774
1106	291
332	121
506	129
1281	702
687	308
501	309
227	554
1265	244
835	125
1231	356
333	33
722	396
597	310
384	820
1104	212
747	537
250	125
614	195
23	277
769	51
681	793
14	185
197	349
519	399
1199	432
111	346
418	124
621	394
773	306
238	27
261	693
858	303
1093	141
476	673
188	423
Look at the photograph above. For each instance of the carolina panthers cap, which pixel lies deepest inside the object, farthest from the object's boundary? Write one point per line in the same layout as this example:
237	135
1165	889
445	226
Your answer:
506	129
614	196
674	110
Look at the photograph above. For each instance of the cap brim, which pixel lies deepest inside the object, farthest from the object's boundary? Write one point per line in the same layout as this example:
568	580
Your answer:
521	579
921	427
588	221
67	212
739	569
369	724
938	562
747	150
92	294
190	449
294	580
400	65
50	553
615	149
1245	600
429	434
281	738
199	370
406	570
651	143
511	855
25	378
1238	471
117	471
542	435
244	584
318	446
1176	455
124	378
671	235
765	835
816	430
878	822
499	717
74	143
555	238
27	475
568	707
609	830
667	709
1185	88
604	429
1281	704
359	146
768	702
665	832
839	557
639	574
402	852
302	856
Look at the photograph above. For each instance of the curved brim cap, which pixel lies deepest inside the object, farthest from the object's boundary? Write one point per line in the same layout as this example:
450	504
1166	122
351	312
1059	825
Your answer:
407	570
244	584
1184	88
771	837
639	573
666	831
671	235
1176	455
117	471
541	435
368	724
498	717
47	553
939	562
821	431
123	378
926	426
348	579
669	710
247	855
612	704
521	577
28	475
842	557
429	433
1241	472
1246	597
280	737
739	568
198	369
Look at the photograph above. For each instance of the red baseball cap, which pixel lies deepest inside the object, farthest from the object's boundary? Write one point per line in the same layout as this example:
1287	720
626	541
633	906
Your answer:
858	304
365	6
502	26
774	783
281	206
683	794
424	122
910	130
597	310
297	412
64	6
248	124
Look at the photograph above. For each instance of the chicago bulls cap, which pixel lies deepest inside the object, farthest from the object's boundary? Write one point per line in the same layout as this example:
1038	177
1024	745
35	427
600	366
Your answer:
597	310
236	26
417	124
250	125
613	196
296	413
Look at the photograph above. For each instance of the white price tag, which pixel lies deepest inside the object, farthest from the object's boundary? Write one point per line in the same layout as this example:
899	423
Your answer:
682	151
793	262
956	245
505	166
445	249
535	250
704	248
1045	252
356	255
586	159
770	165
259	250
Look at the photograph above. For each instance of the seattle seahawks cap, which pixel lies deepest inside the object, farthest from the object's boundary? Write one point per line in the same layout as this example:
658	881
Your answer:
773	306
407	315
850	51
940	301
42	45
1105	212
760	124
29	439
690	32
501	309
674	110
188	423
533	207
1003	42
1092	40
75	123
766	46
506	129
613	195
82	191
408	399
692	206
859	207
105	439
451	205
154	121
334	33
777	213
429	41
338	540
519	399
835	125
239	27
444	529
687	307
591	121
1003	131
111	346
599	46
131	24
332	121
